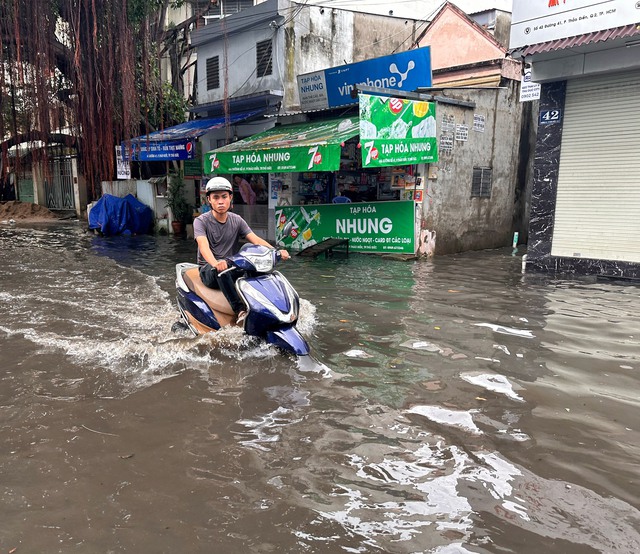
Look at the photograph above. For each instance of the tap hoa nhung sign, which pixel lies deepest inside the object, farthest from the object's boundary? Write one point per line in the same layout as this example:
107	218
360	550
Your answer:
380	227
397	131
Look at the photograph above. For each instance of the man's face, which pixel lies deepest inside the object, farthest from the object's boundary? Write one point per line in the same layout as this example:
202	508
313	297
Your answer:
220	201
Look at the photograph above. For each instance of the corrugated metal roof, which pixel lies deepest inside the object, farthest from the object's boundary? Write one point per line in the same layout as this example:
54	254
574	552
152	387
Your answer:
196	128
579	40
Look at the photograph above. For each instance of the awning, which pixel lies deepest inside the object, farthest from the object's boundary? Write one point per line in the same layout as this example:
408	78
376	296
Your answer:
576	41
268	100
177	142
314	146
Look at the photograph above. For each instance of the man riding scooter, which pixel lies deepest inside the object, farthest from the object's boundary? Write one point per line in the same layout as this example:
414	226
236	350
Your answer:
217	233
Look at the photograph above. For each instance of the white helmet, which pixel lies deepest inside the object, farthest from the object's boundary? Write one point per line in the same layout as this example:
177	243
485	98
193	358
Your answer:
218	184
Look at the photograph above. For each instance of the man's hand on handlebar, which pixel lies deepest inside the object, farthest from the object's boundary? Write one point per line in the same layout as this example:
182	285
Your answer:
221	265
284	254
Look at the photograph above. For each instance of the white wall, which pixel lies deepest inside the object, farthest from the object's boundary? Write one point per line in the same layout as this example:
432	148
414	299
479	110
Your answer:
314	39
176	16
241	58
571	64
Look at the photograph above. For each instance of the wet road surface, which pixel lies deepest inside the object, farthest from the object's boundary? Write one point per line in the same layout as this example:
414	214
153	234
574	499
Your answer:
448	406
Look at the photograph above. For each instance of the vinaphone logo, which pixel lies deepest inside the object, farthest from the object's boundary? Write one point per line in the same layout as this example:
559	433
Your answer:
395	79
393	69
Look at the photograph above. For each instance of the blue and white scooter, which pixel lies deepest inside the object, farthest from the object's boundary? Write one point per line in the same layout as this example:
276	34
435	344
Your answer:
272	303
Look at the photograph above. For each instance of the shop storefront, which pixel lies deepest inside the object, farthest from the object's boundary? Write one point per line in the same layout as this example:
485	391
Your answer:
359	178
584	215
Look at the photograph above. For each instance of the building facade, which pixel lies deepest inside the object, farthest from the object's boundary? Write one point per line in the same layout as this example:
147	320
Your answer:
478	194
254	57
474	197
585	204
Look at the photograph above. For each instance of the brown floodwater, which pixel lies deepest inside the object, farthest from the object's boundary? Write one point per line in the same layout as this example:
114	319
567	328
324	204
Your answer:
449	406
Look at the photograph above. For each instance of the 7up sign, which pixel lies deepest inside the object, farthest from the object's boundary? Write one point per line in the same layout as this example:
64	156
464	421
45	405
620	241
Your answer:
214	162
370	153
315	157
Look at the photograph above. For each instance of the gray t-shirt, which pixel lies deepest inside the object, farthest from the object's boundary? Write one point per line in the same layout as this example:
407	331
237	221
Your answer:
223	237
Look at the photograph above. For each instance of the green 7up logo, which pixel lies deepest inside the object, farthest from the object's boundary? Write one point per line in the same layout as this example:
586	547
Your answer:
316	157
372	152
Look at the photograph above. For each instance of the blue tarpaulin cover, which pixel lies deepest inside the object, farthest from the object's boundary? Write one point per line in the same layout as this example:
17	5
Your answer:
116	216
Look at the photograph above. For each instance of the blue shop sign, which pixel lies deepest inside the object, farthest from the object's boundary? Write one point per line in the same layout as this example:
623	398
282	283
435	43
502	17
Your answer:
332	87
142	151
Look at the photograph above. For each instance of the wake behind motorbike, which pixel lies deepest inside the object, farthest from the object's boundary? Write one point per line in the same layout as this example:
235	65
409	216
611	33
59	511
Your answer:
272	303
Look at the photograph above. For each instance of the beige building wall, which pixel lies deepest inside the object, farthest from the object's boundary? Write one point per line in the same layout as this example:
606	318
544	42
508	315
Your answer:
456	40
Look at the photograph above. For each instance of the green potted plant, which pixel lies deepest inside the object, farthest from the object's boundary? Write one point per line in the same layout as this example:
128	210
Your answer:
177	202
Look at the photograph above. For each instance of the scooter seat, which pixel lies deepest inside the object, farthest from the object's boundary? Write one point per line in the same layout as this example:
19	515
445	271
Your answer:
214	298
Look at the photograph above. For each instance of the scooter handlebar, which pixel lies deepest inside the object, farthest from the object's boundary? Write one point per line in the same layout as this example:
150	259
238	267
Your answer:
230	267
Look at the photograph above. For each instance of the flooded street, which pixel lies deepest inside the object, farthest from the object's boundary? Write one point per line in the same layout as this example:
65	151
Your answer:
448	406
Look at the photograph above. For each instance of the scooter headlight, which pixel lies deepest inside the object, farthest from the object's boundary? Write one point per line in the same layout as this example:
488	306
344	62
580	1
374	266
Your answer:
262	262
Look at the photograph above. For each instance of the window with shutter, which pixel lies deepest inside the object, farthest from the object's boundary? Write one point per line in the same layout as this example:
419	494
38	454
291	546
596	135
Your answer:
213	73
481	182
227	7
264	58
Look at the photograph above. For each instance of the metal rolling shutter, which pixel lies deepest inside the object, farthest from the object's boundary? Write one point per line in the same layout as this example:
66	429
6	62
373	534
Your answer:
598	202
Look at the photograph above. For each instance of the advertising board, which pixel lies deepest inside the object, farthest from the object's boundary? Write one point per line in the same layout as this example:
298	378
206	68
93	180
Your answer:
536	21
162	150
397	131
378	227
332	87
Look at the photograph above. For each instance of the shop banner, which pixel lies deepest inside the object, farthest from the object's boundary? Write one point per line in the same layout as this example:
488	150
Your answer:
303	147
379	227
536	22
397	131
162	150
276	160
528	89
